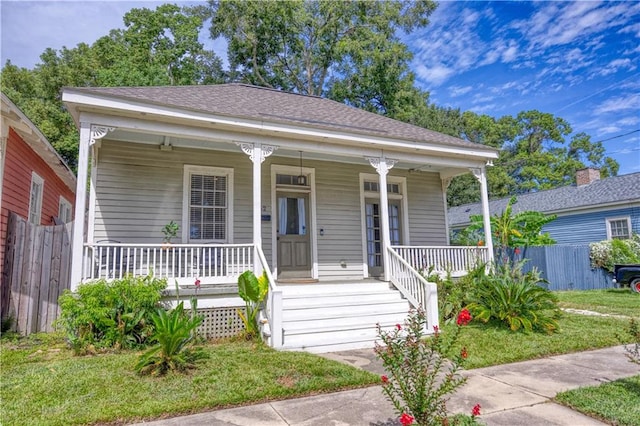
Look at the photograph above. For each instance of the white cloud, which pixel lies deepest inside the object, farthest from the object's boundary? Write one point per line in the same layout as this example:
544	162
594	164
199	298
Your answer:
622	103
436	74
455	91
617	64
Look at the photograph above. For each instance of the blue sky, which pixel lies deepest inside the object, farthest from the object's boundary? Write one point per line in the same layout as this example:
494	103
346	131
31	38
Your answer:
577	60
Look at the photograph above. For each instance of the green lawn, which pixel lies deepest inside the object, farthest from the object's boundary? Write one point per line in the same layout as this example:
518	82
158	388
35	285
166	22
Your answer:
617	402
491	345
47	385
620	301
44	384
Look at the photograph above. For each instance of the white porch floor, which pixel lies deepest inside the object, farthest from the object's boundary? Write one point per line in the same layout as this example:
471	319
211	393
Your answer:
338	315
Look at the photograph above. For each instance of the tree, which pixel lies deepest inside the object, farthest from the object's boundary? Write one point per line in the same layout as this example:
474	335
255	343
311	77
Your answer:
535	153
156	47
347	50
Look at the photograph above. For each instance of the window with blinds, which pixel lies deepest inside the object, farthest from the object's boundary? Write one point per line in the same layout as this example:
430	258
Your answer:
208	207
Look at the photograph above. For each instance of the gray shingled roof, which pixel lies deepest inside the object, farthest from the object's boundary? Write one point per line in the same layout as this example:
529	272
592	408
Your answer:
274	106
617	189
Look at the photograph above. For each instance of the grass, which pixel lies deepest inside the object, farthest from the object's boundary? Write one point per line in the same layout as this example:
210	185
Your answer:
43	384
492	344
617	402
611	301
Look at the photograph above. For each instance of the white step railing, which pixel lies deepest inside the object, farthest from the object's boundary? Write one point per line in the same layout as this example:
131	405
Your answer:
272	328
210	263
417	290
457	260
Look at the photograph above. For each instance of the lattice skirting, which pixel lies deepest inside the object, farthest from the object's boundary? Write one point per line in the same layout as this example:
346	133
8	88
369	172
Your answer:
220	322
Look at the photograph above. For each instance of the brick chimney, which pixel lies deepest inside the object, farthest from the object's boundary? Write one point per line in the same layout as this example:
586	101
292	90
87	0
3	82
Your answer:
586	176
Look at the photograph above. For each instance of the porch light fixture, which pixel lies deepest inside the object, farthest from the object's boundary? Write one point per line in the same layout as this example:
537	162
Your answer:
302	179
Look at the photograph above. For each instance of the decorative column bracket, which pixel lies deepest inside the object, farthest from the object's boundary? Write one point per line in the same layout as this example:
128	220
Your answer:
445	183
98	132
477	173
382	165
248	148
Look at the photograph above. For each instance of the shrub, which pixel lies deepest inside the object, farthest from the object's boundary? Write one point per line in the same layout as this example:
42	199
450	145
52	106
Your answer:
114	314
422	371
605	254
253	291
510	296
174	332
454	295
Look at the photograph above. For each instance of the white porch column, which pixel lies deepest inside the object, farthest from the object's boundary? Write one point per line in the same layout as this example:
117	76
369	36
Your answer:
445	186
481	174
257	153
382	166
89	134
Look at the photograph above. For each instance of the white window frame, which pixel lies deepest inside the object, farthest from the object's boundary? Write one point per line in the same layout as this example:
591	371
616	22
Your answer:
186	200
64	206
616	219
35	210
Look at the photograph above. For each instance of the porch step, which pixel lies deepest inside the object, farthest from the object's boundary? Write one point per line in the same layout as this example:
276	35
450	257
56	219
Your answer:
331	317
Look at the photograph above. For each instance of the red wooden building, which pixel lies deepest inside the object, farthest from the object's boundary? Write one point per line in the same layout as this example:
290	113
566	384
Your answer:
35	182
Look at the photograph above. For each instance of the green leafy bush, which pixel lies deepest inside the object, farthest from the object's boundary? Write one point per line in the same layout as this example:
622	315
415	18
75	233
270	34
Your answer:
253	291
510	296
605	254
455	294
115	314
174	332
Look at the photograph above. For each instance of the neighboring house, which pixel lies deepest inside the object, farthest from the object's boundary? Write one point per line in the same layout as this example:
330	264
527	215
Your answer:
35	182
266	180
592	210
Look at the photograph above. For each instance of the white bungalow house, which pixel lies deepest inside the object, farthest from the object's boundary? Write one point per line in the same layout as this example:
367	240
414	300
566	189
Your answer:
266	180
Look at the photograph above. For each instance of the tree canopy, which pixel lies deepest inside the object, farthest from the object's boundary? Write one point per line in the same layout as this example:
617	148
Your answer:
156	47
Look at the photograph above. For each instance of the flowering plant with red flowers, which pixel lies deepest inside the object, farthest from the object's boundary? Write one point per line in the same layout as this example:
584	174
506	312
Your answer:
422	370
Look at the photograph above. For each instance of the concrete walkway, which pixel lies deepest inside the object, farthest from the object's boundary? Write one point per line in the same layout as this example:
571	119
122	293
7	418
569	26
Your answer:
510	394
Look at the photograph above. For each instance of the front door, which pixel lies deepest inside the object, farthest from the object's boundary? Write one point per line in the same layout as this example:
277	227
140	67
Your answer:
294	248
374	233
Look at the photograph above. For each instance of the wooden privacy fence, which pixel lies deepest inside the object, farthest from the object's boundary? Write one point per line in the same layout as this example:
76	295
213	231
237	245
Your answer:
567	267
36	271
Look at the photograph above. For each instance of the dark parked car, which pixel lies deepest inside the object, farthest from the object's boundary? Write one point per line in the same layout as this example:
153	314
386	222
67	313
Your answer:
627	275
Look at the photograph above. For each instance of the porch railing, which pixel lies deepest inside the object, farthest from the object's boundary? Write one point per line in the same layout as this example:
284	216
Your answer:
272	328
418	291
456	260
210	263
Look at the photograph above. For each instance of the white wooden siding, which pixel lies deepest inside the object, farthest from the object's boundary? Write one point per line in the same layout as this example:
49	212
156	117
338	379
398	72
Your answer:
139	190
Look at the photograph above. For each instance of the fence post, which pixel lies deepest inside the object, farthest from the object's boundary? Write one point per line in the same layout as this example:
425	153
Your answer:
433	316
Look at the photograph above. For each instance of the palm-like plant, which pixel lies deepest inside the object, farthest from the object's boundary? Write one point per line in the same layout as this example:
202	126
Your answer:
515	298
174	332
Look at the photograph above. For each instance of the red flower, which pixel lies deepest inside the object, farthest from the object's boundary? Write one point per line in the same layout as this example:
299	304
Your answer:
464	317
384	379
406	419
436	329
463	353
476	410
398	326
197	283
517	250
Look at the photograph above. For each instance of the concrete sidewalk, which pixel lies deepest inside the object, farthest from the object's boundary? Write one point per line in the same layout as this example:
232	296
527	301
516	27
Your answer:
510	394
